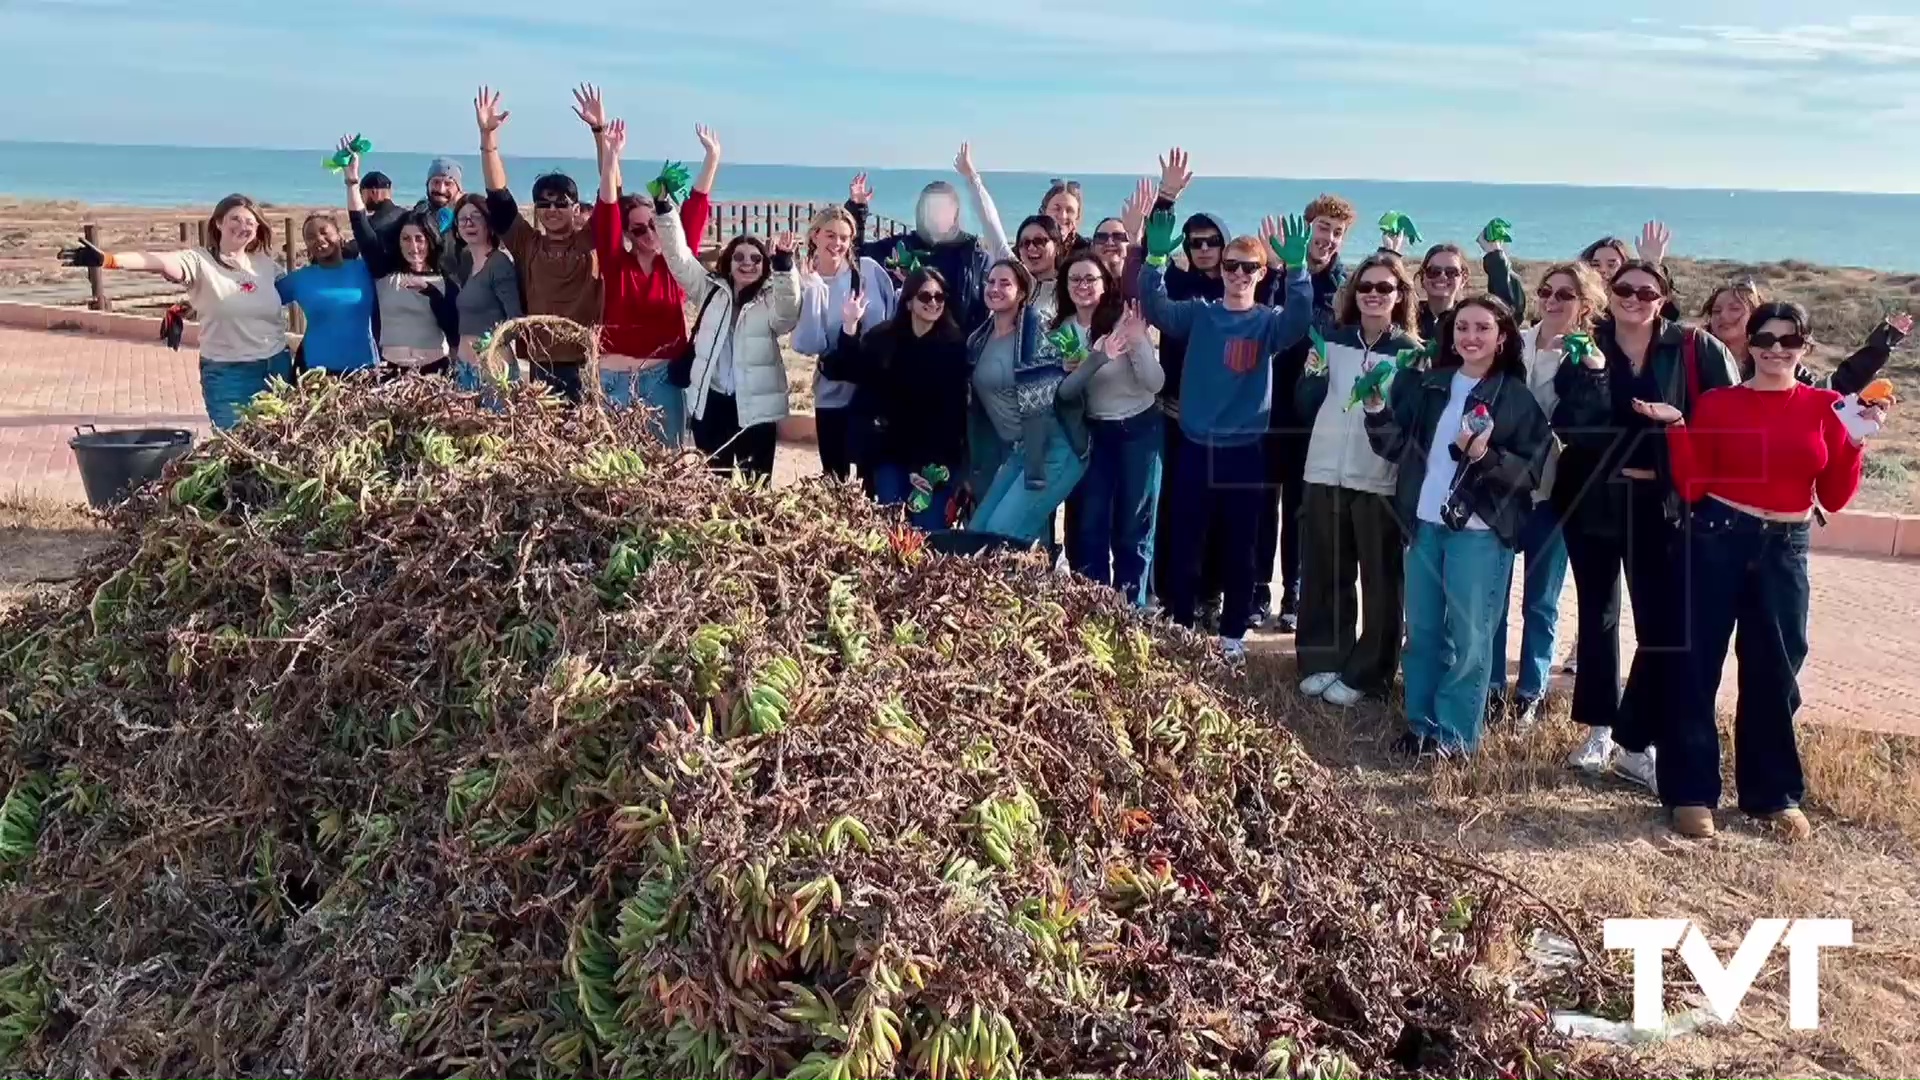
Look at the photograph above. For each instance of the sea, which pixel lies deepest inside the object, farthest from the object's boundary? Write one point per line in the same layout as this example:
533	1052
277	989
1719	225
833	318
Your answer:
1550	221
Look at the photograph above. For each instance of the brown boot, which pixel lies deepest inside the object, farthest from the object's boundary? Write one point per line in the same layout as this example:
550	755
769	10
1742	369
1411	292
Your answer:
1694	821
1790	823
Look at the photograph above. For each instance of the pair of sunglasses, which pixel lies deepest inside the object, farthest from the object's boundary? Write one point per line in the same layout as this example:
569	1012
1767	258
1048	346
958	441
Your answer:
1205	243
1110	238
1766	340
928	296
555	204
747	258
1368	288
1562	294
1035	243
640	230
1447	272
1241	266
1646	294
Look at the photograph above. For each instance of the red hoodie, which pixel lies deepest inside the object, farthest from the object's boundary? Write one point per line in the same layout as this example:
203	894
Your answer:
643	312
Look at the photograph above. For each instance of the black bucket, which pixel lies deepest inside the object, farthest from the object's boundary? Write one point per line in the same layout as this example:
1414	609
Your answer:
970	542
114	463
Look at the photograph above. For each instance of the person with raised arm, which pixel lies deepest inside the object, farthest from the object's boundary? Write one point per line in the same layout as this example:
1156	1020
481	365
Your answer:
230	284
555	261
1752	461
1728	308
913	371
737	381
419	320
643	317
336	295
834	273
1226	394
1614	497
1469	441
1348	645
936	240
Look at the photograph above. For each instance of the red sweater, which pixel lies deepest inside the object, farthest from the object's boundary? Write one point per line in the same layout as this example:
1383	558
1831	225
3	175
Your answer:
642	313
1769	449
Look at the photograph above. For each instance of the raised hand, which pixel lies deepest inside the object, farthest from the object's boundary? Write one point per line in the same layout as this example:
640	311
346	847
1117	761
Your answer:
1162	234
1174	174
1270	233
1291	242
783	244
487	113
858	192
616	136
1496	236
1654	238
1393	241
85	255
709	139
1133	323
963	162
588	106
853	312
348	154
1657	411
1134	214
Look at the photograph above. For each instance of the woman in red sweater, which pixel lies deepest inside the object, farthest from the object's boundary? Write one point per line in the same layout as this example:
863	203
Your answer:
1751	462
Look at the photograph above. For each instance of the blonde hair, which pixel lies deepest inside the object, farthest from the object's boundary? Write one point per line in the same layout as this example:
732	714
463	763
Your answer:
1586	281
824	218
1406	309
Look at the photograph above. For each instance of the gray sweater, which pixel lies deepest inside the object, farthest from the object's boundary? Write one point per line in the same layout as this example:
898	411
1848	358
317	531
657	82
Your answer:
488	298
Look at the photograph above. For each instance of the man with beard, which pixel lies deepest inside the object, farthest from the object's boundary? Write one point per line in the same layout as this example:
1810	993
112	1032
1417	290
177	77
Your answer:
1329	216
443	190
936	240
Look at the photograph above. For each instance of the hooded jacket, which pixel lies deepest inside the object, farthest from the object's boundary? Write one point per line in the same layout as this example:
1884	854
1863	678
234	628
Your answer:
1503	281
1499	487
1338	451
958	257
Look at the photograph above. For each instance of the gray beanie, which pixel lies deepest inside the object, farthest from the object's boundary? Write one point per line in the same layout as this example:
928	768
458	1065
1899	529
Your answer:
446	167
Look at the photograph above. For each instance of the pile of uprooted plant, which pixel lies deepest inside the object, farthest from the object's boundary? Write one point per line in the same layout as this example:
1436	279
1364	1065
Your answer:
403	735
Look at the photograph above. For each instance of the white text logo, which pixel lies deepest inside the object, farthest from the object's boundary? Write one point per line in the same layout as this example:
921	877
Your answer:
1725	986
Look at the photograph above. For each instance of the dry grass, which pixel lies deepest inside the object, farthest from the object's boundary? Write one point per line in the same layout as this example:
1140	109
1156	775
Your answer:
1601	848
42	541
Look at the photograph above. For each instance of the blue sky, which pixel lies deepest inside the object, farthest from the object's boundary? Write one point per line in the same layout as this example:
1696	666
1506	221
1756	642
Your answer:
1693	93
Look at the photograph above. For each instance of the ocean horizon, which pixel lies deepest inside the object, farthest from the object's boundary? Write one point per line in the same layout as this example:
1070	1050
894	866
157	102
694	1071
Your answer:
1550	221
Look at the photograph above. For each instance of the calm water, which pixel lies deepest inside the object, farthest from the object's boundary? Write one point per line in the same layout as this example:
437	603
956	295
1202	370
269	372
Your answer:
1549	221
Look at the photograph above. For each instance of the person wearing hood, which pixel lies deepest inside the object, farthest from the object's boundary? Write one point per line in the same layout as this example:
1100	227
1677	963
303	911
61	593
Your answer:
937	240
1330	217
1469	441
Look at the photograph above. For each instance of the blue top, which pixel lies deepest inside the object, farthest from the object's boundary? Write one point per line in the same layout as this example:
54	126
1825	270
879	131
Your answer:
1226	386
339	303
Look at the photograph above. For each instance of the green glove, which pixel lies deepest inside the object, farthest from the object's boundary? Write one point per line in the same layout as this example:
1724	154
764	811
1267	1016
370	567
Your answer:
1412	358
1317	358
1498	231
1066	342
674	181
343	158
904	259
1577	347
1162	234
933	476
1373	381
1293	251
1397	223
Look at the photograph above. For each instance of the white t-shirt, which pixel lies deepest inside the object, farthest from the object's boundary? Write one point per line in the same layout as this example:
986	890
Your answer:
240	313
1438	482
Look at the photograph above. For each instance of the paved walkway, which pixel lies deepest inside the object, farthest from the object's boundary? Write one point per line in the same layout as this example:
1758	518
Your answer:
1864	671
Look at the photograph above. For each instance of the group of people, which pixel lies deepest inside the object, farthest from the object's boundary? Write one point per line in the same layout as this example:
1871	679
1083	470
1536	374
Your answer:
1199	405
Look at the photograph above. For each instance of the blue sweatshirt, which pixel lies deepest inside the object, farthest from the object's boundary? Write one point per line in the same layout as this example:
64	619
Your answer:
1226	386
339	305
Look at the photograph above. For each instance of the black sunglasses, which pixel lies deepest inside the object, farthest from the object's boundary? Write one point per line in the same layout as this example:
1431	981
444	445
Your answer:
1448	272
1036	241
561	203
1384	288
1110	238
1646	294
927	296
1765	340
748	258
1563	294
643	229
1205	243
1243	266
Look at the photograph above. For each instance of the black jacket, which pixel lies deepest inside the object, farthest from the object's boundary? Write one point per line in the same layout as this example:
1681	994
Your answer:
1594	440
1292	361
1498	487
960	260
1503	281
916	389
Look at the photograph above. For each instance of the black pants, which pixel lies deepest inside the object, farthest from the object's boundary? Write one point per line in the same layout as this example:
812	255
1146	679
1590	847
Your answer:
562	379
1216	495
717	432
1208	588
1281	529
834	428
1751	574
1648	548
1350	536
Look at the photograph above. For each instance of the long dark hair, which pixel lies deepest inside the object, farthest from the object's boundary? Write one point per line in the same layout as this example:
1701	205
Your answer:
1508	361
723	264
1045	224
424	221
902	322
1105	314
1618	245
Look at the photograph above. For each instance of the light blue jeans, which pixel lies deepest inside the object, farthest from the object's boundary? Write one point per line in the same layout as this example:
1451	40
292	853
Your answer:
1011	508
624	389
227	385
1455	588
1544	546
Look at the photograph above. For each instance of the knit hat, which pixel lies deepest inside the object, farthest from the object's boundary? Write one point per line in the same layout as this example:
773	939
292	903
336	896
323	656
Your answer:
446	167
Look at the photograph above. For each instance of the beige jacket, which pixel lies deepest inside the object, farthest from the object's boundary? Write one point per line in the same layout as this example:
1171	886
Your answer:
759	371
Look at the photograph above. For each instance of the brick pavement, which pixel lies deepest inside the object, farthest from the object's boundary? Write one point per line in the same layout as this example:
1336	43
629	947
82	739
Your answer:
1864	671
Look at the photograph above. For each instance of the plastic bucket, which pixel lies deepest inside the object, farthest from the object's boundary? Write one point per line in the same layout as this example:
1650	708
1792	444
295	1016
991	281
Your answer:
114	463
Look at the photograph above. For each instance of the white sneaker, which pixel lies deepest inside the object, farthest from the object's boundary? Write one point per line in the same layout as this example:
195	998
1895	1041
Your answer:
1593	755
1637	768
1339	693
1316	684
1233	650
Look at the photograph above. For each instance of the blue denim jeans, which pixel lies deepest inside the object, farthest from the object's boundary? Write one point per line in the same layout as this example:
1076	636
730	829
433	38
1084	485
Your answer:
1454	589
1750	574
227	385
893	486
1545	548
624	389
1110	516
1011	508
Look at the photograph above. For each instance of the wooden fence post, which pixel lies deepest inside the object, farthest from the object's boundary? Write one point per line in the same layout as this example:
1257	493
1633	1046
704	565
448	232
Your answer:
297	321
96	279
183	232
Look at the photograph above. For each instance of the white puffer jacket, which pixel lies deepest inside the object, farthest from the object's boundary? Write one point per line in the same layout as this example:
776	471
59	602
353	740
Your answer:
759	373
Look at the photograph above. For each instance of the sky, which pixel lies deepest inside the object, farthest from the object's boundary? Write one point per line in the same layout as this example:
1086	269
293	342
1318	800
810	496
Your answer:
1784	94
